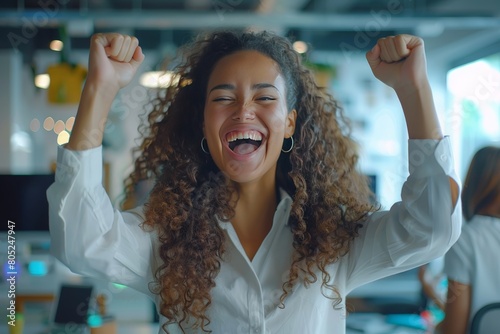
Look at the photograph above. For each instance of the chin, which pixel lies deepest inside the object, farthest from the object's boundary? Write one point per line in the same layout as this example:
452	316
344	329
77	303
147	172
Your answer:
242	177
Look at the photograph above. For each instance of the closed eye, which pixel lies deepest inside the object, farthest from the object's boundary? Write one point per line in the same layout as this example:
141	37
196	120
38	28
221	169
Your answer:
266	98
223	98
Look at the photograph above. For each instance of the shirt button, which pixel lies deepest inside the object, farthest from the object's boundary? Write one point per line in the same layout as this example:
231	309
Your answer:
444	157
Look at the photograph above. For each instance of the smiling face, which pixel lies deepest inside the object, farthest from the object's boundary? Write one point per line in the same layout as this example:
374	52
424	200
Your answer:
246	116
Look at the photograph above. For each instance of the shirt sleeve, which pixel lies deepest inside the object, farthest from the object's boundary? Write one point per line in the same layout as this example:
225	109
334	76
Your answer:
416	230
87	234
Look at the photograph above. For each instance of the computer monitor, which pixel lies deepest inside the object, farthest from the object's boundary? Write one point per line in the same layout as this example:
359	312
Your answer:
25	201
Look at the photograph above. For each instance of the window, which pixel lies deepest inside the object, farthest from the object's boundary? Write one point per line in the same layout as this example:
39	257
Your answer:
474	90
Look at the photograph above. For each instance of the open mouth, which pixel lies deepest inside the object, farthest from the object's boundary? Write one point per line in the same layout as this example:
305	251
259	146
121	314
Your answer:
244	142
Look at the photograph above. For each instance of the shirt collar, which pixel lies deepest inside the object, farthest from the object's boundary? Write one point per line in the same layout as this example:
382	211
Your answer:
284	206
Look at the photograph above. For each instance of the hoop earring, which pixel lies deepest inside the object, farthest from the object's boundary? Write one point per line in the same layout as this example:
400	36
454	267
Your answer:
291	146
205	150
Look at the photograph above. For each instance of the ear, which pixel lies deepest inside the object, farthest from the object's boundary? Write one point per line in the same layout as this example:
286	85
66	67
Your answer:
290	123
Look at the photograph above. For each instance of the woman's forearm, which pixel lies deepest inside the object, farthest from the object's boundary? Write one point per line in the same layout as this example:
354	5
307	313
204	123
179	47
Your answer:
420	112
90	122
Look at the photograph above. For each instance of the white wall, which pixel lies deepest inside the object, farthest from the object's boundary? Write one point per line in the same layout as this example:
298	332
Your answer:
10	104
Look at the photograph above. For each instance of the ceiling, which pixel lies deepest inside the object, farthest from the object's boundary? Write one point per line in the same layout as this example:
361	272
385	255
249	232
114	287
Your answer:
29	25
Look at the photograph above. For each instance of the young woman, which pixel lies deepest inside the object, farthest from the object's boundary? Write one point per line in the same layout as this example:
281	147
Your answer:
471	265
259	220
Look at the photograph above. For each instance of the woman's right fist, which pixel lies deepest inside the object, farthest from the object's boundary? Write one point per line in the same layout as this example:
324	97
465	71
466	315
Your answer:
113	60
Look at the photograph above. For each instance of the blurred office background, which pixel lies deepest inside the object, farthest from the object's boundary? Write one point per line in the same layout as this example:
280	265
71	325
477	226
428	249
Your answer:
43	59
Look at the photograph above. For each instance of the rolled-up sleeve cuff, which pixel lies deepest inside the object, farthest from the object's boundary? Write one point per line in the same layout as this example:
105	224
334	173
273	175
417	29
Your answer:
84	167
428	157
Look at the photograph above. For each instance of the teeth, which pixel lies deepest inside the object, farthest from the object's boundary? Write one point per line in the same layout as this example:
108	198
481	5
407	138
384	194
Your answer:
253	135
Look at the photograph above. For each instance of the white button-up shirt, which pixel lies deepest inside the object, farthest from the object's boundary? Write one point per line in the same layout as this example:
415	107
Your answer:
92	238
473	261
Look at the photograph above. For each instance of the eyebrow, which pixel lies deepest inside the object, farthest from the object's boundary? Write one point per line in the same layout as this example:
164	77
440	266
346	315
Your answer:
254	87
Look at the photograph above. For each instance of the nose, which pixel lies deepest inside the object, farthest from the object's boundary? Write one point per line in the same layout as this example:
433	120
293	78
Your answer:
243	113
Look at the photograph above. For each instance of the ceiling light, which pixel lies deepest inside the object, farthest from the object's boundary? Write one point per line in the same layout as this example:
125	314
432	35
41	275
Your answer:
429	29
158	79
56	45
63	137
300	46
42	81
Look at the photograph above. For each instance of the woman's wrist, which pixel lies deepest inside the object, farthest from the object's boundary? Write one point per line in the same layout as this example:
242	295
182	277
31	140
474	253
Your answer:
105	91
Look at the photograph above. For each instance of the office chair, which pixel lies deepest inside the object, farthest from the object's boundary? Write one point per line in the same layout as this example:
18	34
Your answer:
486	320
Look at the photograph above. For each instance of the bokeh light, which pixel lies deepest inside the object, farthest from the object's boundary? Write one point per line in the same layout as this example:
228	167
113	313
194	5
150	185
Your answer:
48	123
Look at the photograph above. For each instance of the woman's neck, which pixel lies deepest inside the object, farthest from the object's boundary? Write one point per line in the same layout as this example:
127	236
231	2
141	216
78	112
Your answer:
254	214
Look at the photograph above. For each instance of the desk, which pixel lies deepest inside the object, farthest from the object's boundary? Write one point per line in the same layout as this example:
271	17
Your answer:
371	323
123	328
400	293
31	291
38	297
31	288
34	246
138	328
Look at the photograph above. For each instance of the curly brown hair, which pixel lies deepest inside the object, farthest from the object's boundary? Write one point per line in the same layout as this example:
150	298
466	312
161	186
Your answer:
331	199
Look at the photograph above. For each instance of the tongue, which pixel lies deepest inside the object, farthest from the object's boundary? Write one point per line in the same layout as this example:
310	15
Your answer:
245	148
